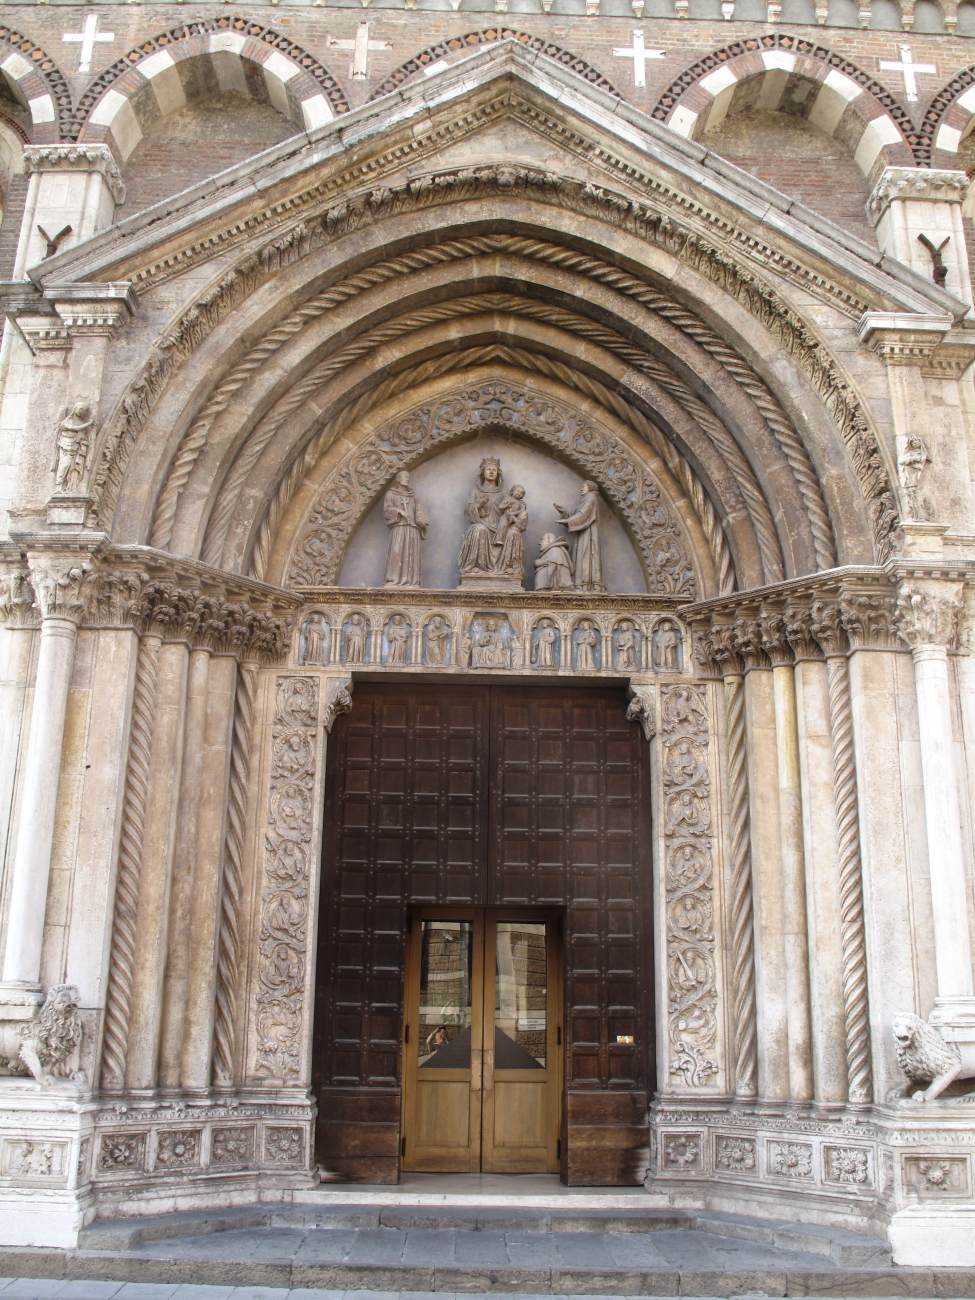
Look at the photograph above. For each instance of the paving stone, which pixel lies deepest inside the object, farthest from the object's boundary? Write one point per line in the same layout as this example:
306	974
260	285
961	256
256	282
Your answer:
377	1246
33	1288
724	1283
435	1247
481	1248
147	1291
89	1289
259	1293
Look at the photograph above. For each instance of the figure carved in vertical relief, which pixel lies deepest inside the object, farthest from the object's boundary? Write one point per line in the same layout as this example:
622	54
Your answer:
911	464
407	526
553	564
627	646
314	636
355	639
493	545
71	445
583	523
511	533
545	645
587	647
398	635
667	646
489	644
438	636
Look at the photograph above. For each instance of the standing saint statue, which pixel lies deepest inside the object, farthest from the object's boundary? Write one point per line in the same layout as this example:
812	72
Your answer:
407	525
583	523
71	446
911	464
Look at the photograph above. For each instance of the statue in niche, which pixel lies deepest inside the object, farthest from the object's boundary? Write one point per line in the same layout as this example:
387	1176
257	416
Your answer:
488	646
438	641
545	650
71	446
397	640
667	646
627	646
583	523
313	640
911	464
407	526
587	646
493	546
355	640
553	565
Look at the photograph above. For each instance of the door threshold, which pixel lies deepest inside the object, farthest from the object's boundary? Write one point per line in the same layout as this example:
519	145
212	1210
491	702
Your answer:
541	1191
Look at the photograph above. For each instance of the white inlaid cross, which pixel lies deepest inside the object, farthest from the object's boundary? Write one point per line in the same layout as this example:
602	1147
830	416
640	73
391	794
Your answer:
639	54
360	47
909	69
88	35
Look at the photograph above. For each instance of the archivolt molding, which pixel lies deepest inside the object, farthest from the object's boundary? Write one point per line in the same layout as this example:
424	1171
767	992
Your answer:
787	329
347	494
39	85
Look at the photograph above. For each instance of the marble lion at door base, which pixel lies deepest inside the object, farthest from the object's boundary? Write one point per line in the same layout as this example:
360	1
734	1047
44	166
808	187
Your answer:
926	1057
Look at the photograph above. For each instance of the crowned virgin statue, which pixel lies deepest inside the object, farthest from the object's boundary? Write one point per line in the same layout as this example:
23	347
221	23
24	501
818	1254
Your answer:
492	552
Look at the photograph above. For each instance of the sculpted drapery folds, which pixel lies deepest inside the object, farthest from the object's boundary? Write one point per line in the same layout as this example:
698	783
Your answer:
407	526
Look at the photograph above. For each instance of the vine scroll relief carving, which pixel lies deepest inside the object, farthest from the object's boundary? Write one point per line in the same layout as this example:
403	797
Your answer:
353	486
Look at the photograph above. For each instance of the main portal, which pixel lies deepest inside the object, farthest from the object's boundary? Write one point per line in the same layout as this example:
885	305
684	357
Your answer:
484	971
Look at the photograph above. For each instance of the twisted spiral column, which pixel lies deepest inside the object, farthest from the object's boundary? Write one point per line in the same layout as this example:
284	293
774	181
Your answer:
123	953
742	914
228	943
852	934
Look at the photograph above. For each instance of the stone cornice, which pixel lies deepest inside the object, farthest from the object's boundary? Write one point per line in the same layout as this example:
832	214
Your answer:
915	183
76	158
466	598
100	586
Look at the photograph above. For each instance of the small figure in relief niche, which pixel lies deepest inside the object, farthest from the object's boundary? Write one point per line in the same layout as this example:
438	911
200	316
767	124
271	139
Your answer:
545	651
407	526
355	640
911	464
553	567
667	647
627	646
313	640
71	446
583	522
438	641
587	647
397	640
488	648
511	532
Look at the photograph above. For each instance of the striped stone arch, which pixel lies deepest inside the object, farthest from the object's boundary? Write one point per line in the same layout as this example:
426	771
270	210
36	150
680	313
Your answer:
36	83
430	59
843	101
947	121
163	73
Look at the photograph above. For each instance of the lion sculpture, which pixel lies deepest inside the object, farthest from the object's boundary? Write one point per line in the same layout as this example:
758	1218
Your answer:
47	1046
925	1057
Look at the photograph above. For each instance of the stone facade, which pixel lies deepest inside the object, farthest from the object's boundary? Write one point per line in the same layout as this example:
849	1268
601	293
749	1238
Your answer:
436	241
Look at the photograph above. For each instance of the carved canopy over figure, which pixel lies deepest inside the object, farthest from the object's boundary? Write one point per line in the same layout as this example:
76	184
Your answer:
583	523
407	525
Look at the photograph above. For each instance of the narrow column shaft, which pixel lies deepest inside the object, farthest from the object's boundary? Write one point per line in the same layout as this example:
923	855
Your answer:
15	652
741	909
792	861
949	891
39	787
822	897
205	903
181	934
152	924
770	971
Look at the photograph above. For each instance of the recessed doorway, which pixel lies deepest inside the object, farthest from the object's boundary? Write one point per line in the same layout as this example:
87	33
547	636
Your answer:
482	1039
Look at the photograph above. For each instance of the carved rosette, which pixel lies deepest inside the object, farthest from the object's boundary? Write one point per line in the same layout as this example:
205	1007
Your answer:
692	1026
283	925
622	479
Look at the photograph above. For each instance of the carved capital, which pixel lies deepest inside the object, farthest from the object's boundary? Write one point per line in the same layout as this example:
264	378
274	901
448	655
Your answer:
76	158
826	626
927	613
18	607
642	709
64	585
799	630
775	638
746	637
338	699
868	620
918	184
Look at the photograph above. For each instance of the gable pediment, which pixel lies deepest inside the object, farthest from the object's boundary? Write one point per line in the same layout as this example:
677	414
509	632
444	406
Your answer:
471	129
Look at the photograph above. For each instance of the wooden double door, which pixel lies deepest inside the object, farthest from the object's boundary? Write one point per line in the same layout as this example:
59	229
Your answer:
482	1040
485	805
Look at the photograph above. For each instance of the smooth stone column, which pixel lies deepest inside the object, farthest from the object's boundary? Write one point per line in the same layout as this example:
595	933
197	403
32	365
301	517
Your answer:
16	644
927	621
182	936
59	586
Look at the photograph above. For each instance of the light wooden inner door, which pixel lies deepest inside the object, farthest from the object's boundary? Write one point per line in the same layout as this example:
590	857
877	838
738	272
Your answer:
482	1039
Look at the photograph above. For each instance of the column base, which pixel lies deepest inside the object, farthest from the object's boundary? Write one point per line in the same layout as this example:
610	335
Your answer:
19	1000
934	1237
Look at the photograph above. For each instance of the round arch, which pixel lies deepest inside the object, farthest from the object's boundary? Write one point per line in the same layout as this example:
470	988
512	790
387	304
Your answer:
151	81
37	84
878	130
947	121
